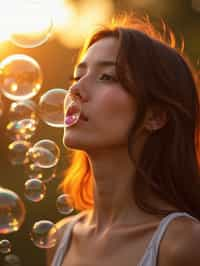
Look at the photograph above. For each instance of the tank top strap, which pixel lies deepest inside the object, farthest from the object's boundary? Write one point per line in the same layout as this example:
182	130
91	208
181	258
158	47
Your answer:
151	253
64	242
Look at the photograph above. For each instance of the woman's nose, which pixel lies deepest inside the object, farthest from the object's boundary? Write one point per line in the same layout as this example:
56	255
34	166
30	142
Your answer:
74	90
78	90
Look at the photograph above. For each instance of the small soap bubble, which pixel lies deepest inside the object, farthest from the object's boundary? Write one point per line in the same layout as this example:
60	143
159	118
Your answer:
11	260
22	110
44	153
33	171
45	174
5	246
17	152
44	234
64	204
30	32
22	120
22	129
34	189
51	107
20	77
12	211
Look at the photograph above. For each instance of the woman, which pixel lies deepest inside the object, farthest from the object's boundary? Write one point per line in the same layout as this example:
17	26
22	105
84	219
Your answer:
134	173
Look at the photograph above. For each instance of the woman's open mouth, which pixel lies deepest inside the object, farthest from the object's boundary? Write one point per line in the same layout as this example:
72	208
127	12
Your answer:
73	115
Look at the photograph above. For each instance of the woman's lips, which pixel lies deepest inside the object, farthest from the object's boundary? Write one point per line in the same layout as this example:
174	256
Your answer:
74	112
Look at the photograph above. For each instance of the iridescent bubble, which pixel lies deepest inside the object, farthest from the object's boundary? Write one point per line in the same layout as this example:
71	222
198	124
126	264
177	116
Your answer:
5	246
72	110
17	152
44	153
12	211
45	174
20	77
22	110
21	130
51	107
44	234
64	204
35	189
30	32
23	120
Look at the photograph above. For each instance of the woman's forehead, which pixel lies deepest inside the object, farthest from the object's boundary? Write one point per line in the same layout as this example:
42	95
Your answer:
105	50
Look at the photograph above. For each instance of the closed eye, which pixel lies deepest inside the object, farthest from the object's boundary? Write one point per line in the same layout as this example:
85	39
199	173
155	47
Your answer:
107	77
102	77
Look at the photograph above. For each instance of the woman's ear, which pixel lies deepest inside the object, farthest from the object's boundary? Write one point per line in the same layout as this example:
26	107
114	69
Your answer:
155	119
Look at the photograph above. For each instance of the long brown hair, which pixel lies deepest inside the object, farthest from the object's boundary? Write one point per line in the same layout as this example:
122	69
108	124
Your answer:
150	67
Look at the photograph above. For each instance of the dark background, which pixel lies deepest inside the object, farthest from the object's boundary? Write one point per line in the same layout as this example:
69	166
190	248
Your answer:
57	60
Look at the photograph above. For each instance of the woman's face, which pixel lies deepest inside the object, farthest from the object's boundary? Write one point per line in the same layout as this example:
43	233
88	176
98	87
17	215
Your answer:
109	109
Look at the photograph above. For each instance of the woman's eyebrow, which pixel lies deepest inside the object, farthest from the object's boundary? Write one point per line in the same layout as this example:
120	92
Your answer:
102	63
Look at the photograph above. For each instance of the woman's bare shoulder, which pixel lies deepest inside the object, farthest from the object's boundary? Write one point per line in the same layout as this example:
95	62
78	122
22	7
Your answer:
61	226
181	242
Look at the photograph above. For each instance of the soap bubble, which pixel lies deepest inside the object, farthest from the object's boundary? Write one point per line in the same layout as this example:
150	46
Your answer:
23	120
44	153
17	152
72	109
35	189
5	246
20	77
22	110
44	234
22	129
51	107
45	174
12	211
30	31
11	260
64	204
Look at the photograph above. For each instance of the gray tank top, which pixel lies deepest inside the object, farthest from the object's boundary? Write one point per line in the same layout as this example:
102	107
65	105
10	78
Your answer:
151	252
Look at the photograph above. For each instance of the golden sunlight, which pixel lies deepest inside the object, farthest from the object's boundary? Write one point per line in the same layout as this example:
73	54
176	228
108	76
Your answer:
80	19
28	20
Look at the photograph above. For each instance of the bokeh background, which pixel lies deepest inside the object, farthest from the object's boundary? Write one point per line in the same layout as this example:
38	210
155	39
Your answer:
73	20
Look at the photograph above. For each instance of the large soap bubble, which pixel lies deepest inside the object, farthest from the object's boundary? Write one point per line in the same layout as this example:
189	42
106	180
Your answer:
20	77
51	107
44	234
32	24
12	211
44	153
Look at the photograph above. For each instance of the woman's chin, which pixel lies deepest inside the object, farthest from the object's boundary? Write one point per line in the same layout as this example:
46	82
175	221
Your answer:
69	143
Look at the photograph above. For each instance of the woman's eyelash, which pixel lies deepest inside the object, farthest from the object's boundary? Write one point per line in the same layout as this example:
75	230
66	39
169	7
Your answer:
103	76
108	77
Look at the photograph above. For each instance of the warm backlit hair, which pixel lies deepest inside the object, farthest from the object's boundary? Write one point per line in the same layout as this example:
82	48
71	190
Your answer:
157	73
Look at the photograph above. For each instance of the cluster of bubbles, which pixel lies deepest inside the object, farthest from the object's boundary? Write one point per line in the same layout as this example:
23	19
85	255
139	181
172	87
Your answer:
21	79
